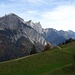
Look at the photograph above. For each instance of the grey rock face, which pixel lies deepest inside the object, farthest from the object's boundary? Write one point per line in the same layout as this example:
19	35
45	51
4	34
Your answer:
35	26
18	37
56	37
19	28
11	21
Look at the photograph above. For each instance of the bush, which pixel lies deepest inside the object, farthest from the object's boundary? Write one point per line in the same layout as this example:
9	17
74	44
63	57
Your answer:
47	47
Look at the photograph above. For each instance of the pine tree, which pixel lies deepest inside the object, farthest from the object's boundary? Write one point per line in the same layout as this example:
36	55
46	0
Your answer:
33	51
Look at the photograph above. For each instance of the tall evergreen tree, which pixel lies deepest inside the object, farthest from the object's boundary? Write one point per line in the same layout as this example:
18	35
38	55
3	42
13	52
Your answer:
33	51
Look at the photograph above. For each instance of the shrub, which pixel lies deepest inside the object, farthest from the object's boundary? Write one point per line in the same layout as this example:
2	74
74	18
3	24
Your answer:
47	47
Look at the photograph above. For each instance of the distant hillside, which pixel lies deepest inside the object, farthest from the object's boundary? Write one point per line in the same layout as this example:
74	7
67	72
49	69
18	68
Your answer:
51	35
54	62
56	37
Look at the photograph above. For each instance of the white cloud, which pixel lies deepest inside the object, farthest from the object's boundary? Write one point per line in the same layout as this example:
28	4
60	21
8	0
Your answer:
51	13
62	17
34	1
32	12
60	13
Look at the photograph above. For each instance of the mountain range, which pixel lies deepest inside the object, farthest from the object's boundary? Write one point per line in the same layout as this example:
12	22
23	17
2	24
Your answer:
17	37
51	35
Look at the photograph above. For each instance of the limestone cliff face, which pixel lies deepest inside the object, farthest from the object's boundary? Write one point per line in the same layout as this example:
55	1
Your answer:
36	26
56	37
20	28
17	38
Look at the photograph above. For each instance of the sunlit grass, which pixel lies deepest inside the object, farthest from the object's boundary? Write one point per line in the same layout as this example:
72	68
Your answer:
45	63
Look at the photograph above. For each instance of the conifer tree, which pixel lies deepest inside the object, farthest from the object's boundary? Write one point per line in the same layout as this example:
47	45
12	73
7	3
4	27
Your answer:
33	51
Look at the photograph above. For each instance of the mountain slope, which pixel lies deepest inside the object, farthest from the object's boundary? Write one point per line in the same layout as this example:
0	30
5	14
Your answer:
66	70
56	37
17	24
46	63
17	38
51	35
36	26
10	49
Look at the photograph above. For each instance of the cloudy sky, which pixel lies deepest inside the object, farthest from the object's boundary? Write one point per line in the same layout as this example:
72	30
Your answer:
58	14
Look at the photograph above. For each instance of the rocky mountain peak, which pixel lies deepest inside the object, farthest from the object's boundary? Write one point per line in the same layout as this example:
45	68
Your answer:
11	21
38	23
36	26
30	23
11	14
16	24
17	37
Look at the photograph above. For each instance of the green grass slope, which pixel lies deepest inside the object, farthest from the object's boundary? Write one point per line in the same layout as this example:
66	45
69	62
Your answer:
66	70
53	62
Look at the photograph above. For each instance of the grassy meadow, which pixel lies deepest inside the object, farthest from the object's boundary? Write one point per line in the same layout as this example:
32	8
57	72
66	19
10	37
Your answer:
53	62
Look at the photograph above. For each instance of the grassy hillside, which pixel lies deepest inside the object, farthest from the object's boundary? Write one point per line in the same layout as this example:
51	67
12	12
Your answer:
54	62
66	70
